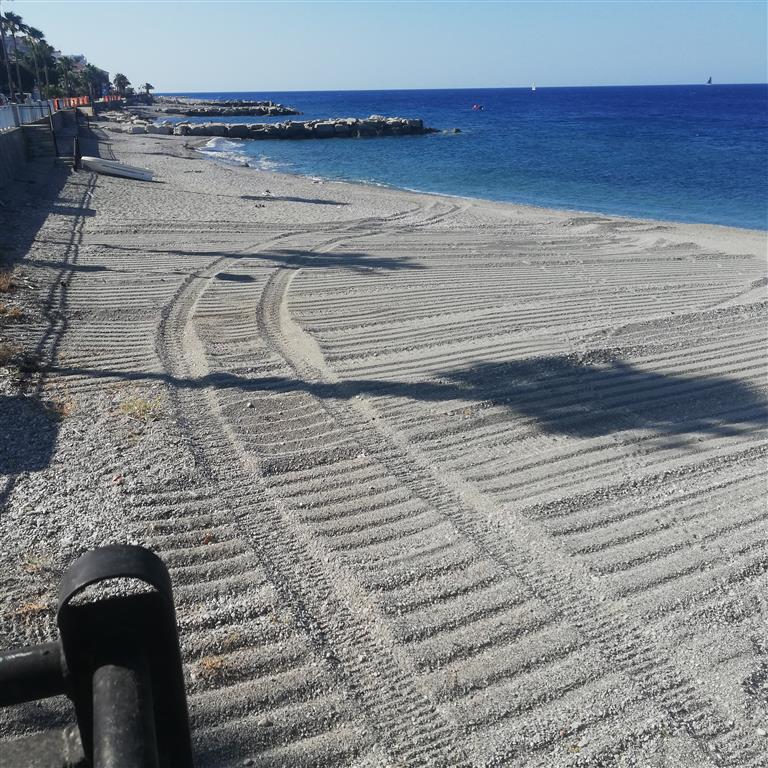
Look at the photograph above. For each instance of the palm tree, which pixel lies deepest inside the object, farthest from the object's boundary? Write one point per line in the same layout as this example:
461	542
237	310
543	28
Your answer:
93	77
66	67
6	59
121	83
15	25
35	37
46	54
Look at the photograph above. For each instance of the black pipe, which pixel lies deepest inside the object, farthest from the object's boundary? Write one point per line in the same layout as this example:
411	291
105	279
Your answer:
34	672
123	716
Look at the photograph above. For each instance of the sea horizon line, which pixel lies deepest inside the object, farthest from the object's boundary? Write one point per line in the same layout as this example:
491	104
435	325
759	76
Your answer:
539	86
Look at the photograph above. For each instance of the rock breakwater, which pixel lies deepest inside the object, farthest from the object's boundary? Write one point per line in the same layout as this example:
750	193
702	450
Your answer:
237	108
261	110
348	127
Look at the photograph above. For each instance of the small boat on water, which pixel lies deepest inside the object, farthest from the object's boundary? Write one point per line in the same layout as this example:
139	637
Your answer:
533	86
709	82
113	168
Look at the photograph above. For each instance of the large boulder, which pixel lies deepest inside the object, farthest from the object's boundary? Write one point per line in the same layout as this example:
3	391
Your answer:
162	130
217	129
342	129
296	130
369	128
135	129
239	131
208	129
181	129
266	130
325	129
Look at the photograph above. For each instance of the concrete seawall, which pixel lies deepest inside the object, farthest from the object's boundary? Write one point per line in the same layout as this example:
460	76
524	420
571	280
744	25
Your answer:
35	141
13	154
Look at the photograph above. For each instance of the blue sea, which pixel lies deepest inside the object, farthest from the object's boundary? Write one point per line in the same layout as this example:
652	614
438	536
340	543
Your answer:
693	153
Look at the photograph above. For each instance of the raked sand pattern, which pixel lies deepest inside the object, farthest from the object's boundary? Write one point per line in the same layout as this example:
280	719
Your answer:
440	482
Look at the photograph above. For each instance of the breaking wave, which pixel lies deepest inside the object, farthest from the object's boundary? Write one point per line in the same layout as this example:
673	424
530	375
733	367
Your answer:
225	150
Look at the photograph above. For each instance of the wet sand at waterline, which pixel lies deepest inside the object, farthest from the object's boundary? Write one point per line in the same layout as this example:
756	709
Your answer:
439	481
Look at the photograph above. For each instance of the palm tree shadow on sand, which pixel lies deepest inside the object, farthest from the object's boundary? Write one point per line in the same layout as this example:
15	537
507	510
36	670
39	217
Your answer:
583	397
574	397
577	396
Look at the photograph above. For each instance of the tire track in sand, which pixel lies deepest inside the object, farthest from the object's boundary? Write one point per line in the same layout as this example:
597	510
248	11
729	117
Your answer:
332	616
565	586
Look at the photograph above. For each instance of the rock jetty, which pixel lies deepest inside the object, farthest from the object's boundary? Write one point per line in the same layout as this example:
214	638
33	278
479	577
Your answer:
254	111
238	108
347	127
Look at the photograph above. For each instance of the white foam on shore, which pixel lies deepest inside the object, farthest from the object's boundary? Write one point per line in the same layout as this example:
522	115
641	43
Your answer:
226	150
232	152
264	163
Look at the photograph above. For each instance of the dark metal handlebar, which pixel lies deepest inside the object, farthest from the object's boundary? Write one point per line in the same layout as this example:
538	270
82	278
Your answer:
117	659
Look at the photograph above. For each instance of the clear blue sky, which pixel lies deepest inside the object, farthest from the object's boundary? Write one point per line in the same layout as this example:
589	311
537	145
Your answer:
316	45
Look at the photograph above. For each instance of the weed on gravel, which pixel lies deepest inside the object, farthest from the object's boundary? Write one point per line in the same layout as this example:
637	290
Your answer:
11	313
211	666
142	408
29	611
7	283
60	408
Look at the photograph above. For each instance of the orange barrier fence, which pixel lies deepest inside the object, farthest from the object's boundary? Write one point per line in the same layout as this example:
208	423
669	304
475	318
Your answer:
72	101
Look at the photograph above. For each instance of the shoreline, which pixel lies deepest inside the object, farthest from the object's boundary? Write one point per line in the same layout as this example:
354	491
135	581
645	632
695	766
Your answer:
528	150
246	159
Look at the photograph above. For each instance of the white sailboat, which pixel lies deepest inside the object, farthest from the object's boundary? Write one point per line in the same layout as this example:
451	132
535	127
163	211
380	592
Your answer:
533	87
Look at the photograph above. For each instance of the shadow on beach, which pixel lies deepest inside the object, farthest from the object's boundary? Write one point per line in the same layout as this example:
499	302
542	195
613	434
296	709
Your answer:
354	261
559	394
288	199
29	433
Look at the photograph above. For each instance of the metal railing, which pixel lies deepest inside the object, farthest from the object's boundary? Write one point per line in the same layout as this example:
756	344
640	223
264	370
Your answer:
118	660
14	115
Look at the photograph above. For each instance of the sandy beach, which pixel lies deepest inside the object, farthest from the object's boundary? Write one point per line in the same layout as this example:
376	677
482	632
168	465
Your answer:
440	481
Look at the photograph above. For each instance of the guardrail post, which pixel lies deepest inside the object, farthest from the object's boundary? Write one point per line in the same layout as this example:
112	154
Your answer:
53	132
